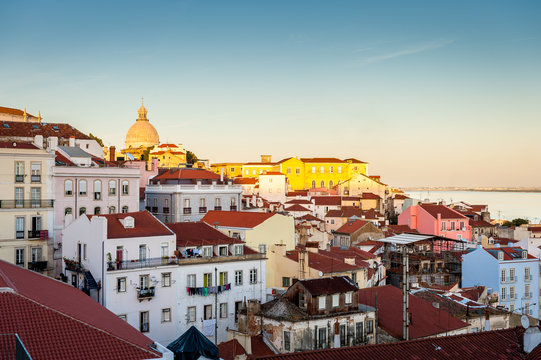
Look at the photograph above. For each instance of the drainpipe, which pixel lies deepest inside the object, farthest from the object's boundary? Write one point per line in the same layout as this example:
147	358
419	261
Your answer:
75	211
119	190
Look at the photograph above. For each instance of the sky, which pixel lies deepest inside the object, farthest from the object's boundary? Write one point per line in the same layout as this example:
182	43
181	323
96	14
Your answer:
430	93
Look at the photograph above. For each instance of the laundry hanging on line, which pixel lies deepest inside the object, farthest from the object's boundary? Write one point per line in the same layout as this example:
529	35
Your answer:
206	291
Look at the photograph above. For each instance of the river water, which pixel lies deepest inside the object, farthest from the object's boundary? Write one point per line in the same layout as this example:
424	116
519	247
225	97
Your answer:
503	205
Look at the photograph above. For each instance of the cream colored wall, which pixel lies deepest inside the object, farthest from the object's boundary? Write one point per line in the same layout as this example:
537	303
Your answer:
278	229
367	204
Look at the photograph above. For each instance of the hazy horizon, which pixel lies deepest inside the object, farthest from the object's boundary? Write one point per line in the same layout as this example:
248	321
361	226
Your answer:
429	94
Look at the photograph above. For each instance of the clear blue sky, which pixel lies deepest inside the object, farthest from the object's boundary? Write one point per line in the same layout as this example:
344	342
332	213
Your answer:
428	92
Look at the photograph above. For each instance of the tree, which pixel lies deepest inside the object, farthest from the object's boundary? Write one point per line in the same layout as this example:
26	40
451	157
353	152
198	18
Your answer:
98	140
507	223
146	153
191	158
519	221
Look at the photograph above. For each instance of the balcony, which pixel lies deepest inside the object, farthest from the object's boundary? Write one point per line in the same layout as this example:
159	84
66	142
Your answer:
154	209
508	279
19	178
166	210
26	204
202	209
187	211
38	234
233	208
97	196
528	295
145	294
148	208
37	265
527	277
217	208
19	234
35	178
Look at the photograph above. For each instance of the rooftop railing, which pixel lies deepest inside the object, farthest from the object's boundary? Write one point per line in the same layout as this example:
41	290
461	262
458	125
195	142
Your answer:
26	204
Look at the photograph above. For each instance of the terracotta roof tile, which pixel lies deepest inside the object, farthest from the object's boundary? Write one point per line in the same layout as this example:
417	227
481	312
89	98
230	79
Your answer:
259	348
325	264
191	174
230	349
199	234
25	130
327	200
355	161
370	196
296	207
446	212
239	219
322	160
245	181
145	225
12	111
17	145
351	226
332	285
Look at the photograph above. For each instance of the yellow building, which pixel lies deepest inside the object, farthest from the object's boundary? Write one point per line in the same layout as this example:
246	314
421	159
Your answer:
230	170
26	206
168	155
141	135
254	169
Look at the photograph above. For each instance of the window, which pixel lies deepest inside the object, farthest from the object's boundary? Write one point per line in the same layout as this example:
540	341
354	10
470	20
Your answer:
19	197
462	225
524	254
288	171
253	276
143	282
35	172
527	293
313	184
503	273
322	185
112	209
238	249
331	185
262	248
443	226
143	321
512	274
511	292
512	307
339	169
84	251
313	169
223	278
223	310
19	171
186	203
166	279
322	169
121	284
233	201
97	190
207	251
343	335
68	211
253	172
222	250
35	196
191	314
142	252
124	209
298	171
123	317
217	202
19	257
97	210
166	315
232	169
286	281
321	302
335	300
82	211
207	312
349	297
19	227
322	338
191	280
359	335
36	255
82	187
68	187
287	341
238	277
370	326
527	275
452	225
500	255
504	293
125	187
331	169
112	187
164	250
207	279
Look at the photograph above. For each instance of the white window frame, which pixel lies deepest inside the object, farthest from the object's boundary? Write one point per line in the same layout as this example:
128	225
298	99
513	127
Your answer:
238	277
166	315
349	298
253	276
335	300
321	302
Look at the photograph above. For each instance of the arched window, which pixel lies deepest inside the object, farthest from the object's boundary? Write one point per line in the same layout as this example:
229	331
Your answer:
112	209
125	187
97	210
82	211
112	187
97	190
322	183
124	209
82	187
67	211
68	187
330	184
313	184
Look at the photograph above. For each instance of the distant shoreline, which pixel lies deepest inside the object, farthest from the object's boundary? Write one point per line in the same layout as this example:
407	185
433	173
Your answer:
498	189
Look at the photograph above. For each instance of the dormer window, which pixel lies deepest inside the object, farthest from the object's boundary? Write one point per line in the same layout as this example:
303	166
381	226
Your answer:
238	250
335	300
500	255
321	302
223	250
349	297
524	254
207	251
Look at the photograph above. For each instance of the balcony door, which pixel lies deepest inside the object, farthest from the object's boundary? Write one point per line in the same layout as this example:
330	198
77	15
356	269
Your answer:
35	193
36	226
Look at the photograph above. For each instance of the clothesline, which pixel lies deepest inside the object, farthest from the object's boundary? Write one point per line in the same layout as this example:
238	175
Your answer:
209	290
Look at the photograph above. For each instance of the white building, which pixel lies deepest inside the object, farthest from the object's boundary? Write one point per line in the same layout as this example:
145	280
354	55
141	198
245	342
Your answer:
188	194
160	282
273	186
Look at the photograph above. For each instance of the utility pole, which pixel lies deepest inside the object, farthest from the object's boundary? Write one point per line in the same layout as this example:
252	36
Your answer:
216	307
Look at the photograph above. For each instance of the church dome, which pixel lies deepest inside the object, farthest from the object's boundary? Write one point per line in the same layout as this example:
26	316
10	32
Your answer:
142	133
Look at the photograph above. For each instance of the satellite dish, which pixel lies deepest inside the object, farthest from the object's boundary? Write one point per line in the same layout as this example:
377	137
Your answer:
525	321
130	156
320	273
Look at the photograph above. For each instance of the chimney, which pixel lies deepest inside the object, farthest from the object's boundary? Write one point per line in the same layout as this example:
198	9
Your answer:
72	141
112	152
336	335
52	143
221	175
532	338
38	141
487	319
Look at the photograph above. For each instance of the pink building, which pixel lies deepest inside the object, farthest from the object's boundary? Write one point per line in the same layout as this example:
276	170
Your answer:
437	220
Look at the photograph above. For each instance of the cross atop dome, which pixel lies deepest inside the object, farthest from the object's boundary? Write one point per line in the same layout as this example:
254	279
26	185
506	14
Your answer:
142	112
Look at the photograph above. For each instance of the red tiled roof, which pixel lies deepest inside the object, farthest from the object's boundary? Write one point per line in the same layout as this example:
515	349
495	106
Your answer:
355	161
272	173
17	145
31	129
297	193
247	181
325	264
187	174
199	233
309	217
349	252
61	160
167	145
480	223
346	211
259	348
509	253
230	349
322	160
298	201
296	207
400	229
370	196
426	320
145	225
351	198
239	219
534	228
332	285
12	111
260	163
487	345
57	321
400	197
351	226
446	212
478	208
327	200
